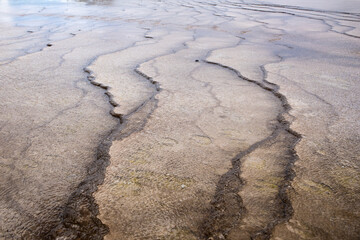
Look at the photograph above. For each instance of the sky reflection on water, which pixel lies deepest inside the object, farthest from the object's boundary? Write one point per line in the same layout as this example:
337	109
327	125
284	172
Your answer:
326	5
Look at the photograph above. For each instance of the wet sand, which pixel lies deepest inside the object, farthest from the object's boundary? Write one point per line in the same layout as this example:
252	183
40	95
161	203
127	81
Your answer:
179	120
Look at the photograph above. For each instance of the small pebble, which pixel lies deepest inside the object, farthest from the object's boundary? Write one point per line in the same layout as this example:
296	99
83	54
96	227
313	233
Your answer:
183	186
49	44
221	236
196	60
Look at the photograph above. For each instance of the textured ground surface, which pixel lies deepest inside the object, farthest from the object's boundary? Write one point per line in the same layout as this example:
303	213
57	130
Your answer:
180	120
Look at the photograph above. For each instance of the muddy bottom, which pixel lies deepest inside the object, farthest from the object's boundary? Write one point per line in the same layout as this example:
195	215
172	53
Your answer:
179	120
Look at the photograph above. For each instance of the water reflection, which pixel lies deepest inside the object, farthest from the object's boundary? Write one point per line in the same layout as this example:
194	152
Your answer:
326	5
4	8
96	2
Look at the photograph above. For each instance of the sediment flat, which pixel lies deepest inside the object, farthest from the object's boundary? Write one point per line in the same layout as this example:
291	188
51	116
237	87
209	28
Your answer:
179	120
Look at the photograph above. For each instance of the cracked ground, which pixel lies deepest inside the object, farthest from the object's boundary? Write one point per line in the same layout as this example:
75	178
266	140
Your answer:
180	119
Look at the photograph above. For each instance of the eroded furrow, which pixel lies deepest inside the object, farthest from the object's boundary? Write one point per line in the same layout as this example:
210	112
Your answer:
267	173
161	179
204	143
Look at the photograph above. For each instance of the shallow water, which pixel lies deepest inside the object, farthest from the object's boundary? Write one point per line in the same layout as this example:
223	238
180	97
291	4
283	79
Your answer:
221	119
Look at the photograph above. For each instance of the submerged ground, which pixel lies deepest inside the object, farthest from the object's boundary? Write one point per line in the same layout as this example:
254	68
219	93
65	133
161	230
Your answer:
180	119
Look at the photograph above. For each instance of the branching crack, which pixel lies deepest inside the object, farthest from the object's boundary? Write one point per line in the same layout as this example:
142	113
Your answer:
227	208
78	219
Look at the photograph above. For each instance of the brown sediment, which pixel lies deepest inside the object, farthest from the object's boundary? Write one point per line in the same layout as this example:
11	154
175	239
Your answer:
228	209
318	79
78	219
128	178
52	143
